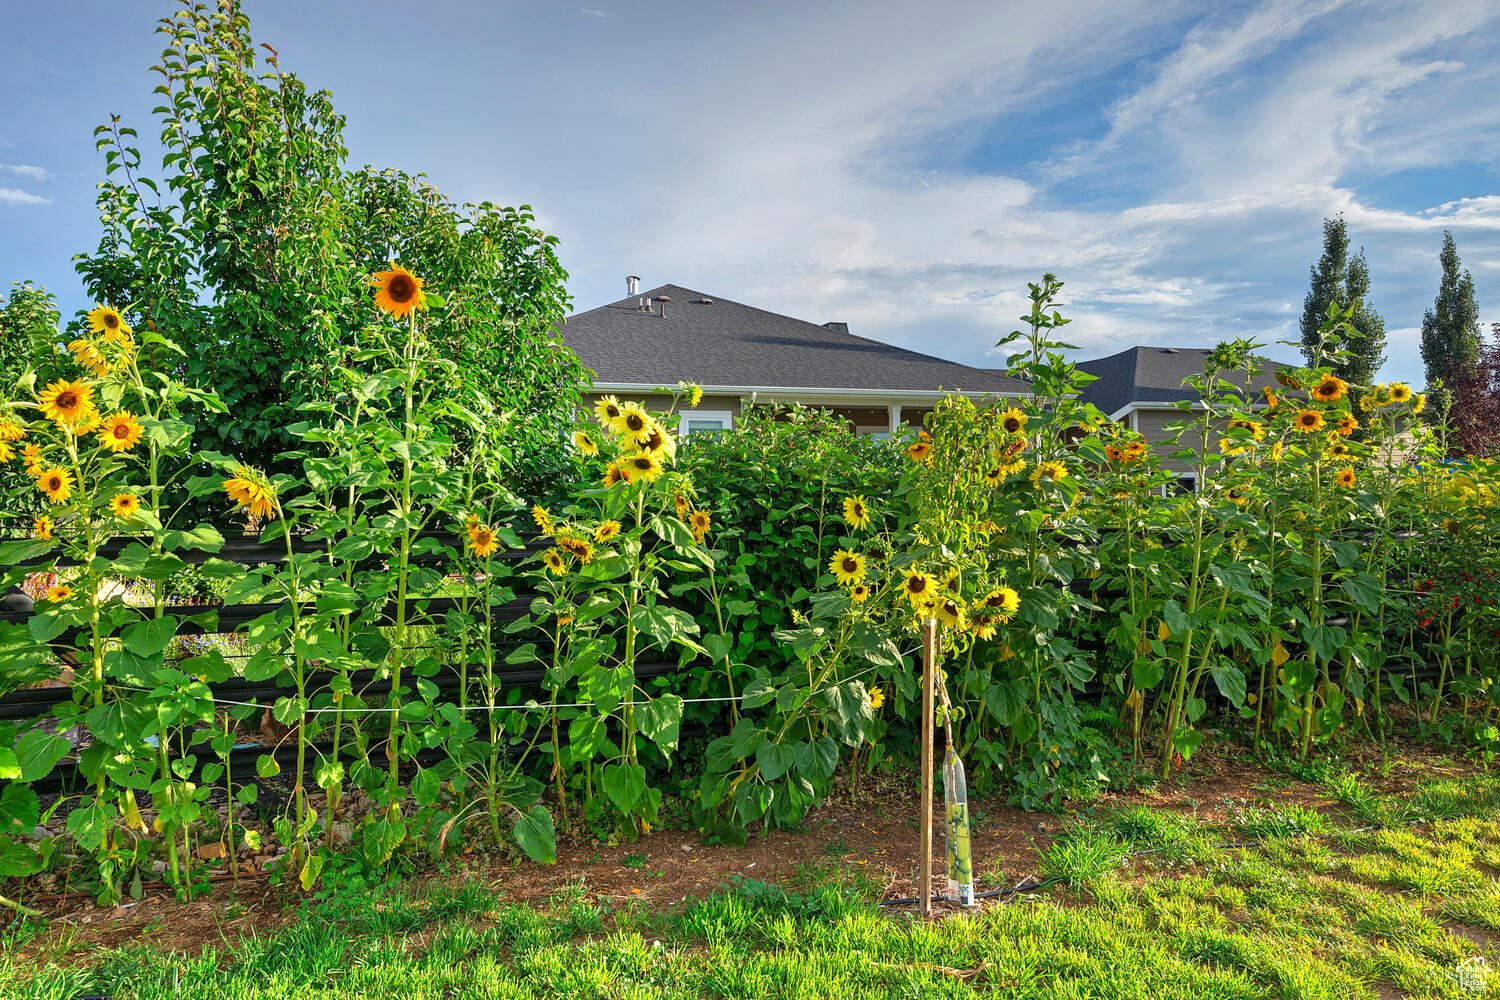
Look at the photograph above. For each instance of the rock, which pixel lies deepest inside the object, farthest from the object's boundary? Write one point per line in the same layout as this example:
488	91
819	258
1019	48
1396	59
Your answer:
343	833
211	852
41	833
159	867
262	860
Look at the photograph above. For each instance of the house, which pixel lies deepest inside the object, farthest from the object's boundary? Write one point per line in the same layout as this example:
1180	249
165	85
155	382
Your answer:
740	354
1143	387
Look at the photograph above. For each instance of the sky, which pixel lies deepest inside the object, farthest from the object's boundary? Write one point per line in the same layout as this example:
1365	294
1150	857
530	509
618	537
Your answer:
902	167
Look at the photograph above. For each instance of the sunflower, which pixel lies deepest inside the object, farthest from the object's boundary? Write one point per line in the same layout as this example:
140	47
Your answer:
607	411
57	483
918	588
1309	421
1255	427
919	451
877	697
1012	421
1277	451
11	431
1398	392
1346	424
1345	478
89	357
398	291
125	505
641	467
576	546
43	528
1237	496
1338	449
585	444
995	476
1420	404
1112	453
1002	600
1329	388
1012	468
859	593
120	432
1268	396
856	513
950	613
554	562
1052	471
1134	451
606	531
612	474
249	489
6	452
32	456
482	540
108	321
543	519
1287	379
700	521
656	441
848	567
67	403
58	592
632	421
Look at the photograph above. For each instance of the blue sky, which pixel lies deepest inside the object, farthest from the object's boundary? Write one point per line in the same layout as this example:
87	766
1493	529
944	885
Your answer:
905	168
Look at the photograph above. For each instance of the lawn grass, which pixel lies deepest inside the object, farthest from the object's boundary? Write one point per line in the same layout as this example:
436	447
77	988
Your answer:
1141	904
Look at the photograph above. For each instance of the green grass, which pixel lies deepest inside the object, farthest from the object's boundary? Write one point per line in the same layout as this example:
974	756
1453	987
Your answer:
1151	909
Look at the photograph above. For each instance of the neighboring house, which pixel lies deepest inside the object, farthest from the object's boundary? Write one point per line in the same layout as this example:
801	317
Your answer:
740	354
1142	387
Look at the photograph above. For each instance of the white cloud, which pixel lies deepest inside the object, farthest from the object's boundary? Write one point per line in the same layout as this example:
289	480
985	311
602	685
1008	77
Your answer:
18	197
25	170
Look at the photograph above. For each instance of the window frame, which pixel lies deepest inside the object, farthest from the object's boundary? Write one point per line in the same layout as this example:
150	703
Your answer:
684	417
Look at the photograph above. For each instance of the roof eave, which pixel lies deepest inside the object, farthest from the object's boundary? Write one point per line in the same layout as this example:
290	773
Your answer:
818	393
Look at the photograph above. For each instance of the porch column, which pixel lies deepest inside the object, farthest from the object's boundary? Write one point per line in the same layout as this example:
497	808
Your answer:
895	409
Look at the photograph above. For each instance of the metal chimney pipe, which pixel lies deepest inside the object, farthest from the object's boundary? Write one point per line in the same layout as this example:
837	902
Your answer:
633	284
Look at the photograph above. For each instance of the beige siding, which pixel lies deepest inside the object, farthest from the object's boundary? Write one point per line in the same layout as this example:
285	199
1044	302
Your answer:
1153	427
659	402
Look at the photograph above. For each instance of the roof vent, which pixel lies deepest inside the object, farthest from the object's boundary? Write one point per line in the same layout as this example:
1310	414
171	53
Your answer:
633	284
1170	350
663	300
838	327
705	301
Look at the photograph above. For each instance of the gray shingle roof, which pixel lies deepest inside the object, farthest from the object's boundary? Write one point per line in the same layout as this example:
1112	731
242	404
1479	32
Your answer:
1153	375
731	344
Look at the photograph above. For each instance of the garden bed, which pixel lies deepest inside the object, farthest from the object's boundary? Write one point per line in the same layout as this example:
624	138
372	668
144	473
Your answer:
868	839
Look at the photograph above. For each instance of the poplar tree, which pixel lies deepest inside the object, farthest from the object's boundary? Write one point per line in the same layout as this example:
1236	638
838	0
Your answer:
1337	277
1450	329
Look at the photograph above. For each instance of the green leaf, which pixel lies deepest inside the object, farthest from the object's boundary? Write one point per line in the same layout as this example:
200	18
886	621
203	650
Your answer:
535	834
38	752
150	637
19	807
659	719
625	784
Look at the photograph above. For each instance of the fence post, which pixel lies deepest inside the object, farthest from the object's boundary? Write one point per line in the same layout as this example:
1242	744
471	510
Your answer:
929	676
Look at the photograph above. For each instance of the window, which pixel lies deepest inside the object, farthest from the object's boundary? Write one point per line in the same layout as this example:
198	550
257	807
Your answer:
1186	485
704	421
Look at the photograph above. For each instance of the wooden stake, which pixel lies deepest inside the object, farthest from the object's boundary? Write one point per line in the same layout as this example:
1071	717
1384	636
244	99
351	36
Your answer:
929	675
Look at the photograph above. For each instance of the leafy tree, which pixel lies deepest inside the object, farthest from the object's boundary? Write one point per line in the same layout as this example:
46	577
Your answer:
1337	277
253	248
28	331
1450	329
1476	422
